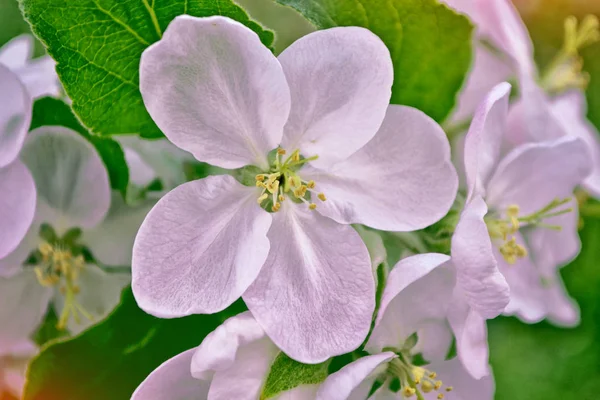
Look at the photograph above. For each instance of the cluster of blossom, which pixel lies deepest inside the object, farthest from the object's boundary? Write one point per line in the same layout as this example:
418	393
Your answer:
317	167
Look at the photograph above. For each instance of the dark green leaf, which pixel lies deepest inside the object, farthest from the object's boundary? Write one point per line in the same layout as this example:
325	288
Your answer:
287	374
51	111
98	44
430	44
112	358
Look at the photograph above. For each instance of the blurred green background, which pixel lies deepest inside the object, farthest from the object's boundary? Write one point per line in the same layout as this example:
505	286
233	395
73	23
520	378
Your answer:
531	362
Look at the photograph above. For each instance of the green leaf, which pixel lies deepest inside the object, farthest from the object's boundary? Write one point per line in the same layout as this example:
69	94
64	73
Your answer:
542	361
112	358
98	44
429	43
48	331
287	374
51	111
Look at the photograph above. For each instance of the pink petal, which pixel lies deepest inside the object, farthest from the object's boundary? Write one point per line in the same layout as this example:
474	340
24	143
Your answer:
414	294
240	355
199	248
464	386
402	180
340	81
485	289
354	381
554	169
17	207
216	91
15	116
315	294
471	336
172	380
483	141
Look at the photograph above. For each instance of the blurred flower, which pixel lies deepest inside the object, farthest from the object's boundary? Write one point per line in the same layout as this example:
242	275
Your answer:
72	228
218	93
17	203
232	362
550	105
38	74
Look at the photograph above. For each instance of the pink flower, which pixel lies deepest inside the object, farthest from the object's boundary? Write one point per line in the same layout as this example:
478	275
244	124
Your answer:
327	151
516	227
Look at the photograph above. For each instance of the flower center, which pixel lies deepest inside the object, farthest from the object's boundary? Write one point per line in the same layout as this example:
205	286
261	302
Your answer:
56	263
415	380
565	71
283	180
503	230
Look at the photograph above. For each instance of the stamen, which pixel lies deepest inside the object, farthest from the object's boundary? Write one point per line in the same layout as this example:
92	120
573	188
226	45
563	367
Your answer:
311	184
565	72
312	206
262	198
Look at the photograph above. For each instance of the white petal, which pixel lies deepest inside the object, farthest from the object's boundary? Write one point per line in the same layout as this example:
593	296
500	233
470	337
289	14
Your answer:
199	248
69	175
240	354
477	271
464	386
344	383
471	336
415	293
140	173
483	141
40	78
340	81
570	110
216	91
554	169
402	180
15	116
13	262
551	249
111	242
302	392
487	70
531	118
100	292
315	294
24	304
172	380
17	52
17	206
563	310
435	339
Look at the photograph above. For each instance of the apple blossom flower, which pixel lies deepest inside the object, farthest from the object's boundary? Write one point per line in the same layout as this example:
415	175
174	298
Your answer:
74	224
517	226
38	75
232	362
412	320
549	106
314	130
17	204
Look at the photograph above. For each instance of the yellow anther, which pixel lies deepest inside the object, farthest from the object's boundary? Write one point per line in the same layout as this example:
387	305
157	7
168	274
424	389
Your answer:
276	207
449	389
440	396
512	210
432	375
261	185
427	386
281	197
437	385
281	152
45	249
260	178
311	184
418	373
296	156
262	198
409	391
312	206
322	197
520	251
